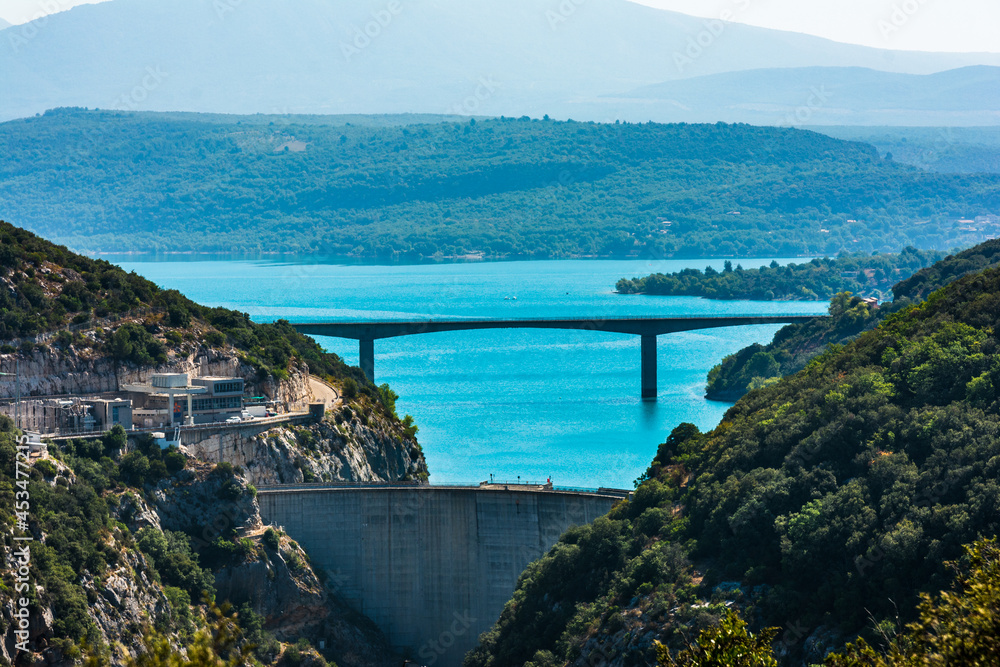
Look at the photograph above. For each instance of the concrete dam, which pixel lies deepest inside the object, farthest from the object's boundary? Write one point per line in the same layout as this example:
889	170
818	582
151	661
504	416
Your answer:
432	566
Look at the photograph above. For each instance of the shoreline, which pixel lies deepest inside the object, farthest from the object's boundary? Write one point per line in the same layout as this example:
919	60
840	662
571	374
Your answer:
203	255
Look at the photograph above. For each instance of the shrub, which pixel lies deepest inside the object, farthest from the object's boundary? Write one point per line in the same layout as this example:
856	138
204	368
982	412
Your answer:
215	339
174	561
223	469
174	460
271	538
131	342
47	468
180	606
350	389
134	468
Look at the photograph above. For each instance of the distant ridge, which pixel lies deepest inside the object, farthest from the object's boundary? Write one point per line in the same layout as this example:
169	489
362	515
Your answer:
829	96
104	181
472	57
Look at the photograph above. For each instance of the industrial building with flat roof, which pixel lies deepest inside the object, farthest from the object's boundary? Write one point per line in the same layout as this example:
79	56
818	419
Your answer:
170	399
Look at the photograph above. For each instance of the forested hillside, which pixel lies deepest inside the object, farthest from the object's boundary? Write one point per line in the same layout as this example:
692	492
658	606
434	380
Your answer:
117	181
955	150
821	505
796	344
862	274
49	288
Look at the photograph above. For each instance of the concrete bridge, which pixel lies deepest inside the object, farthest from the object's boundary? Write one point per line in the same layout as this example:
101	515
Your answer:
432	566
646	327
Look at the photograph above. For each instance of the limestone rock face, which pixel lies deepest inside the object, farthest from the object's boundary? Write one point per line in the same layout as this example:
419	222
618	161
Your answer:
280	585
206	505
125	597
328	452
56	371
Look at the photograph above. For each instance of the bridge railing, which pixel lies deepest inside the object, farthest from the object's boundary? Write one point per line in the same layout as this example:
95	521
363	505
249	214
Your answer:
617	318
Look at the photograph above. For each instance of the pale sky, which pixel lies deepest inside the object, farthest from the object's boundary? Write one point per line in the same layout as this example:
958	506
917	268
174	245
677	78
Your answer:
912	25
919	25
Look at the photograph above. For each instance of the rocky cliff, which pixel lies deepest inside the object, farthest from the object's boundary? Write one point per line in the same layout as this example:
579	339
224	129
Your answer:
255	567
79	369
348	451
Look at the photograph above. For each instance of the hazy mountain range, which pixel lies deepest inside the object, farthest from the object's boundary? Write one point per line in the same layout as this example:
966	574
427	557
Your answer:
829	96
586	59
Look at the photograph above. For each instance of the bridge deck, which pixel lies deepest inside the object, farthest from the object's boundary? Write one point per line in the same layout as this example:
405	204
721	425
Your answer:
647	327
375	330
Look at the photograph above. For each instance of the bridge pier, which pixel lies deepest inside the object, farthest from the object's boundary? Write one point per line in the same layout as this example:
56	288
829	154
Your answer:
649	366
366	349
647	327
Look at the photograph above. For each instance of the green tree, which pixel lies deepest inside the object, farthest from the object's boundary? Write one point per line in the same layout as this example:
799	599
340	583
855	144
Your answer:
728	644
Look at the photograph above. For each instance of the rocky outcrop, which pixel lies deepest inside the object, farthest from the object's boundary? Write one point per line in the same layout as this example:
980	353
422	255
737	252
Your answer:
124	600
206	504
277	581
75	370
281	585
349	451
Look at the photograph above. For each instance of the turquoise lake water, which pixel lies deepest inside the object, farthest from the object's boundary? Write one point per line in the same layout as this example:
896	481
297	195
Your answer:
515	403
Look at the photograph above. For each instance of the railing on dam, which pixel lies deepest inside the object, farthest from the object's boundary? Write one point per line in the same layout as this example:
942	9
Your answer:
540	487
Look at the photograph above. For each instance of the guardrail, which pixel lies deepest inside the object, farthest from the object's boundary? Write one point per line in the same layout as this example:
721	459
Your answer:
62	434
603	318
471	486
